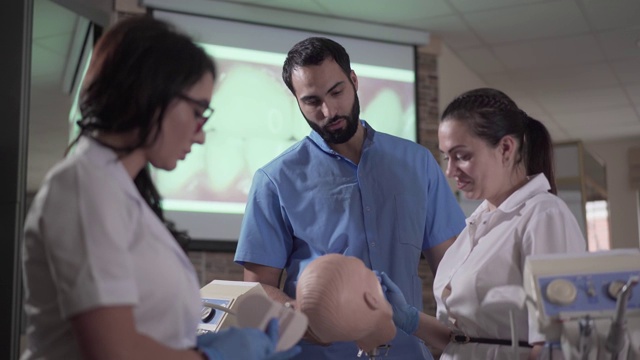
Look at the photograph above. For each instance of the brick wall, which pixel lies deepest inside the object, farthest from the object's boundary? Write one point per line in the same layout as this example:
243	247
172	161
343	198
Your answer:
427	99
428	120
215	266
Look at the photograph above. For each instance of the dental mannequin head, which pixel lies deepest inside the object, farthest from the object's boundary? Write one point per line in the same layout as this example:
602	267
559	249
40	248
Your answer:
343	301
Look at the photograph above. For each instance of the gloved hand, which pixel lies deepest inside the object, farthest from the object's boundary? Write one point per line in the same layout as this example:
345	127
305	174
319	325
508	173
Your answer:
273	333
244	344
405	316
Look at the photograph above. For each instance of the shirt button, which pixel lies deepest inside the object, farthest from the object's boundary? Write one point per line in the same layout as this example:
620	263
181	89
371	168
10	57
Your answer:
367	208
373	244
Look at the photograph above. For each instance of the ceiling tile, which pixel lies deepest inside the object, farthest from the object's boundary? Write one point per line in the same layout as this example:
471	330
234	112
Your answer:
612	14
599	119
451	29
480	60
58	44
506	84
566	51
634	93
606	133
529	106
558	133
311	7
548	122
564	102
560	137
46	62
52	19
628	71
377	11
528	22
543	118
475	5
380	11
620	44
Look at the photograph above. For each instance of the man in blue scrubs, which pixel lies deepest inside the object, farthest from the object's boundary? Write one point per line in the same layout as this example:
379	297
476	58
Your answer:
345	189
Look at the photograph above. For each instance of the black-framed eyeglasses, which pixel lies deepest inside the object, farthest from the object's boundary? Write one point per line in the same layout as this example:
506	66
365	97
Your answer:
202	104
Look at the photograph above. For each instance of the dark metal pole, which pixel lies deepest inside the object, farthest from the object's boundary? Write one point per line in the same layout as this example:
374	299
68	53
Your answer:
15	69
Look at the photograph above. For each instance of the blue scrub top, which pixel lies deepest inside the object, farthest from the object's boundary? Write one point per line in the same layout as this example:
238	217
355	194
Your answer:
310	201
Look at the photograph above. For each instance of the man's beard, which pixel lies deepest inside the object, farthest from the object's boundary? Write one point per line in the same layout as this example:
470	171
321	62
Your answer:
339	136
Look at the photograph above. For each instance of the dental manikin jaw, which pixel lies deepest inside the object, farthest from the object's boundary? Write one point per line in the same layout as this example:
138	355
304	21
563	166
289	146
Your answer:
343	301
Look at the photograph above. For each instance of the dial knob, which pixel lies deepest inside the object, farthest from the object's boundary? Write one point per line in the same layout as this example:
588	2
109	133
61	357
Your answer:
561	292
207	314
614	288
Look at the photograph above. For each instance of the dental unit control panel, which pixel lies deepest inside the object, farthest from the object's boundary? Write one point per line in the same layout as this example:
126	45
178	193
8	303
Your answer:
588	304
584	294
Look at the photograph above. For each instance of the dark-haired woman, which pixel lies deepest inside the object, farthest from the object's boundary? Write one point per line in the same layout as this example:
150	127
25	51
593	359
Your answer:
104	277
495	152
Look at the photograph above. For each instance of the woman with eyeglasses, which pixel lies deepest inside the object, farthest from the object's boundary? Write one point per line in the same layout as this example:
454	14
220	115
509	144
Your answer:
104	277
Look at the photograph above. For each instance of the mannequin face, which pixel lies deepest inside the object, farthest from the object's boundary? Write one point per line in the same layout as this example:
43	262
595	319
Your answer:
343	301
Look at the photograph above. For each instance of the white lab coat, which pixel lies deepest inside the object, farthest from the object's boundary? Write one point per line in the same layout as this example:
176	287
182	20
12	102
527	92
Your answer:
490	252
91	241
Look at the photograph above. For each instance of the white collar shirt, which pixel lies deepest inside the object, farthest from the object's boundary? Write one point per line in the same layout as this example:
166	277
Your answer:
490	252
91	241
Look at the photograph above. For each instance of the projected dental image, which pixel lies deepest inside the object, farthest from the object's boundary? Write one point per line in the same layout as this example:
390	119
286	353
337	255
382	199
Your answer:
388	107
189	177
256	118
225	152
261	151
251	101
253	122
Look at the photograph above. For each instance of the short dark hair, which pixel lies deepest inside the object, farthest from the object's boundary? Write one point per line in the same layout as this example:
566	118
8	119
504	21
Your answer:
313	51
138	67
490	115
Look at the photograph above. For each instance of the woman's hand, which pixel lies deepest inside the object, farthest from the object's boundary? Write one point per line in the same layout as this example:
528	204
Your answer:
405	316
244	344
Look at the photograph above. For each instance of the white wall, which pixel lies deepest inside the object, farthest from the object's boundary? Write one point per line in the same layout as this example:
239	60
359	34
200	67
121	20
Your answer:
623	201
99	11
454	77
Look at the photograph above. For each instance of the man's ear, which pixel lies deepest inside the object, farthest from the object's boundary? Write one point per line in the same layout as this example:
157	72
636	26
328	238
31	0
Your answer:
371	301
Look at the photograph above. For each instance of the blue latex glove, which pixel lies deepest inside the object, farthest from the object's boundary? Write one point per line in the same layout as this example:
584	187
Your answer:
405	316
244	344
274	335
